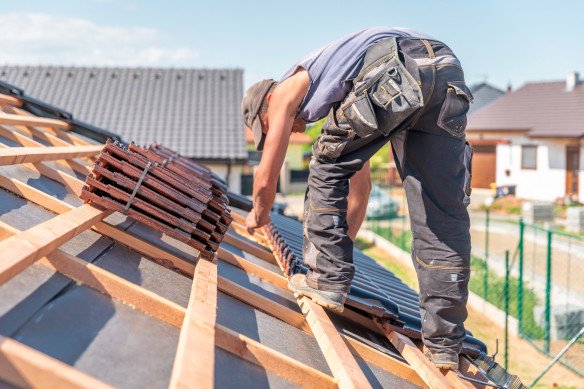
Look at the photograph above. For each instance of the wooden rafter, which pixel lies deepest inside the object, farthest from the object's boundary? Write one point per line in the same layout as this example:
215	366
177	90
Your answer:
22	249
435	378
340	360
19	155
190	369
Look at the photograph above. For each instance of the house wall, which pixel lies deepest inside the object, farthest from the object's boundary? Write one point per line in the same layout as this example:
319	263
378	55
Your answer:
234	183
548	181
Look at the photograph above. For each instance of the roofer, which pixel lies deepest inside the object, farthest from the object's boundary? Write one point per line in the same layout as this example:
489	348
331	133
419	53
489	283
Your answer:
377	85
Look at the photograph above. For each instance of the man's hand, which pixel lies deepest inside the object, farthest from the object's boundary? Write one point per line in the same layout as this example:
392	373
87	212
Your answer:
252	221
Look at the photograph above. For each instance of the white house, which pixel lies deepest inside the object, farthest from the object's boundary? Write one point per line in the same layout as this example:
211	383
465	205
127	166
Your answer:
532	138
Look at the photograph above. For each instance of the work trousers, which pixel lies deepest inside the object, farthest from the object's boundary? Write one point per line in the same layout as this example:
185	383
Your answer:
434	162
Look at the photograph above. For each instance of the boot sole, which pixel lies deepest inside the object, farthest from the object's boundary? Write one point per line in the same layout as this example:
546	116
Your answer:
322	302
446	366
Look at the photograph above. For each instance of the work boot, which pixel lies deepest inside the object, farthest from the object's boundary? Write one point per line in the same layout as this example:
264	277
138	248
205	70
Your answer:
331	300
443	360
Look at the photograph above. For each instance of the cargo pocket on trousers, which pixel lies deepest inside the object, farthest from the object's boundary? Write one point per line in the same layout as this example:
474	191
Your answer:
452	116
333	139
468	154
442	278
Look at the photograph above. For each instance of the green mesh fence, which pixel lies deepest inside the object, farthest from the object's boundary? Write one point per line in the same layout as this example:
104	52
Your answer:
551	293
533	275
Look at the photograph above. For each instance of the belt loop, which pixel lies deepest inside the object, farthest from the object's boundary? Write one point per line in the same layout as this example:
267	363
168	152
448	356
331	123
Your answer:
431	54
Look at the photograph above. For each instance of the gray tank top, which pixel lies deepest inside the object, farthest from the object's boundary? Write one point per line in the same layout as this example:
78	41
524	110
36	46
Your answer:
332	68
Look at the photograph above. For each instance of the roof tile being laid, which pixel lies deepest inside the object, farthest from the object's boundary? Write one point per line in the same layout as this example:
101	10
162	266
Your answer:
374	290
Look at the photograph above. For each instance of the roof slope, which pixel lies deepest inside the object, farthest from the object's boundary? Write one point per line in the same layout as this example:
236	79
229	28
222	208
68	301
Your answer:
483	94
193	111
544	109
93	299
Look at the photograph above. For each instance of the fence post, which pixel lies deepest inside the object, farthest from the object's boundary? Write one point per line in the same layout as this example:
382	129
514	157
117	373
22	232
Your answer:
520	281
486	264
548	287
506	294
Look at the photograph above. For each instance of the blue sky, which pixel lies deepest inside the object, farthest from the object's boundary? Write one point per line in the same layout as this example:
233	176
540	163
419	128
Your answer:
498	41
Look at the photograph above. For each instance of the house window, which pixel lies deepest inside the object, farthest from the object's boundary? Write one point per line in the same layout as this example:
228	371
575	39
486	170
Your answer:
529	157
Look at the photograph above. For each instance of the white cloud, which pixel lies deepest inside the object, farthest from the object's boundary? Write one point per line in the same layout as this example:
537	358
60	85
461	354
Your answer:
29	38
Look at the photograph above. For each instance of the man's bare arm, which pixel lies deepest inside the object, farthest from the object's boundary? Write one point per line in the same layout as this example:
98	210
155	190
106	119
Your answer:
283	107
357	200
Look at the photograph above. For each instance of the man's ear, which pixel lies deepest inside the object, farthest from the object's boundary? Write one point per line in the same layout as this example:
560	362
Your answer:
268	97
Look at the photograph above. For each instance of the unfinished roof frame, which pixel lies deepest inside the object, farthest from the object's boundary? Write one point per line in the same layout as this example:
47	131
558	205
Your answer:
199	329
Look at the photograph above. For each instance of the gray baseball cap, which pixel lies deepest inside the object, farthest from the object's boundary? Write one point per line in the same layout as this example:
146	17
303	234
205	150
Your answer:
250	108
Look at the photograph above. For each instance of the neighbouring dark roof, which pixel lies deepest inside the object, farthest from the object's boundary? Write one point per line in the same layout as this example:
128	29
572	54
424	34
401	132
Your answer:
193	111
483	94
544	109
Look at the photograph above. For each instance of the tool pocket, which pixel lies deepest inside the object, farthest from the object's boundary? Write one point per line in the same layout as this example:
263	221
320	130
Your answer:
383	96
360	115
468	154
452	116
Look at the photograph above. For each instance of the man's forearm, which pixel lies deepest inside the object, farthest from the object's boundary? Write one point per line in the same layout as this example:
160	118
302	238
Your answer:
264	193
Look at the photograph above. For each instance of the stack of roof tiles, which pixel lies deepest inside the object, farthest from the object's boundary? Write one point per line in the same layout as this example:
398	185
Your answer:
163	190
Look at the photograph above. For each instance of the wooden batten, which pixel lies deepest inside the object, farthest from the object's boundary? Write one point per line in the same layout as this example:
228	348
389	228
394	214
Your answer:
55	205
251	248
19	155
25	367
272	360
22	249
28	142
252	268
35	121
9	100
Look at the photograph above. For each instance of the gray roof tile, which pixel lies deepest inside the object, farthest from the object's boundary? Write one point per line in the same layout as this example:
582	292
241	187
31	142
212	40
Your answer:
193	111
545	109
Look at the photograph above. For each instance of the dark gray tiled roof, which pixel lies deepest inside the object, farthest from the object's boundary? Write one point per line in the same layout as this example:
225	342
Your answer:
545	109
193	111
483	94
